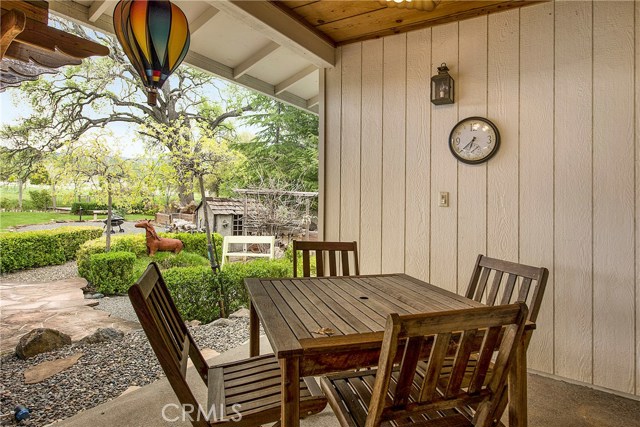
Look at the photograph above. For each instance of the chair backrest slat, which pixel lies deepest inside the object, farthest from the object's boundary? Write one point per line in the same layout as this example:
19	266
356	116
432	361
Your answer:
531	281
332	258
408	371
498	329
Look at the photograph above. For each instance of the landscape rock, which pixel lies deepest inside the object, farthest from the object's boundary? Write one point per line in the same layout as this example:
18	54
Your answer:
243	312
102	335
222	322
41	340
94	296
49	368
194	323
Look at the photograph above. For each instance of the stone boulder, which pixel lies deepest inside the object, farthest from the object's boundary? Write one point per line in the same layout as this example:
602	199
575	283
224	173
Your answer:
41	340
243	312
102	335
222	322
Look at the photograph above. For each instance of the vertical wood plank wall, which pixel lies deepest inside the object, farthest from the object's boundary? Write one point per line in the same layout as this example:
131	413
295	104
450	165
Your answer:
561	81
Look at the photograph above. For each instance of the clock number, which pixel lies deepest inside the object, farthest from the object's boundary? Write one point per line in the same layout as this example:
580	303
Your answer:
489	136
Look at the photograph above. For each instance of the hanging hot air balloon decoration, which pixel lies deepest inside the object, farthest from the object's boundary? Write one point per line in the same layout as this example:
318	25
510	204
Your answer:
154	35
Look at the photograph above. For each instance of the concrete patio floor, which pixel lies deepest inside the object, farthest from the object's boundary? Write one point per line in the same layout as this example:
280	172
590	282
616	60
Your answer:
552	403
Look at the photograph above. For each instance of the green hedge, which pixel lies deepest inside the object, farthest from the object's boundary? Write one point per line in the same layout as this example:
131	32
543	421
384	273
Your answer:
233	275
112	272
134	243
195	292
32	249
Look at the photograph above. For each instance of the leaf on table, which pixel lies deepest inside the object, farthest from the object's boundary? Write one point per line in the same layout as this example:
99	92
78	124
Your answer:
325	331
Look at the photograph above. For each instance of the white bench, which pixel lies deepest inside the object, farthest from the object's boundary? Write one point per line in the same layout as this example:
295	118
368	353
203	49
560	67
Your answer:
248	240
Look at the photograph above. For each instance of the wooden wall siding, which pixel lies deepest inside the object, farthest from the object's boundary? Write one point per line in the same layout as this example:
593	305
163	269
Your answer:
417	210
613	191
637	206
561	80
573	260
536	166
444	168
393	152
370	248
472	180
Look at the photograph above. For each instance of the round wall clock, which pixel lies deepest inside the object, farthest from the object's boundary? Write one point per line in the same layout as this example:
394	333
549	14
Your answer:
474	140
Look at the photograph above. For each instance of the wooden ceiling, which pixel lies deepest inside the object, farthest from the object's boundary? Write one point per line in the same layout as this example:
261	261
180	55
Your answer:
345	22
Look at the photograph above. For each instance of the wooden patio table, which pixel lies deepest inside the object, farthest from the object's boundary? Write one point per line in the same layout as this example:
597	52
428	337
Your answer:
330	324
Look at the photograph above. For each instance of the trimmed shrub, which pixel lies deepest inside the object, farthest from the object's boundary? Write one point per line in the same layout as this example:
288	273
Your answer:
32	249
41	199
112	272
134	243
194	291
233	275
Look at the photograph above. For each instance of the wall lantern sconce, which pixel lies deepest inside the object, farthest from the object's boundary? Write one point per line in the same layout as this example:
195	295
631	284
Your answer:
442	86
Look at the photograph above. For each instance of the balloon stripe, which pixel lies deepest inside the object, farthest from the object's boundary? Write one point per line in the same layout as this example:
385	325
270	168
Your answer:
137	21
179	34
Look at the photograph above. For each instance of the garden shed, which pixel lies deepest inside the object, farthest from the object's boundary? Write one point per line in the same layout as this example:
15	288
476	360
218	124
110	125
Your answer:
225	215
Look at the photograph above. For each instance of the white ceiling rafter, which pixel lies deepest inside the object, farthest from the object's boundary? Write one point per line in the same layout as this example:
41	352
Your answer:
274	23
290	81
97	9
313	102
204	17
80	13
254	59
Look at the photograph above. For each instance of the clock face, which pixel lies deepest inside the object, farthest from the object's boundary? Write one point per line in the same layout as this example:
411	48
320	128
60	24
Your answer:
474	140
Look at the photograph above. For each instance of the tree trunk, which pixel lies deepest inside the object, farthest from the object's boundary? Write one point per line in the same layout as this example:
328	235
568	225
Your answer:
211	250
20	184
185	193
53	196
108	248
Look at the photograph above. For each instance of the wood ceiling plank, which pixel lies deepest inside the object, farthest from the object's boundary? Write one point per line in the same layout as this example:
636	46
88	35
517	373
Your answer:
293	4
388	21
36	10
327	11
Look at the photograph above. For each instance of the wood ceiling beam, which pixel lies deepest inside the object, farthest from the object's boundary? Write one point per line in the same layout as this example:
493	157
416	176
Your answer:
254	59
288	82
204	17
97	9
277	25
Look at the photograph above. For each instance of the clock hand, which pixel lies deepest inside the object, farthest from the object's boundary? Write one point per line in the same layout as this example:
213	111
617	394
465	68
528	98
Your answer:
469	144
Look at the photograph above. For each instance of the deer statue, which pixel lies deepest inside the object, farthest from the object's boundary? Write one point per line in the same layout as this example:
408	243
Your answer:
156	243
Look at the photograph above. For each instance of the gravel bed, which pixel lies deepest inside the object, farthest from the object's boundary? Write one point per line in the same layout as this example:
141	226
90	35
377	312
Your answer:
42	274
102	373
118	306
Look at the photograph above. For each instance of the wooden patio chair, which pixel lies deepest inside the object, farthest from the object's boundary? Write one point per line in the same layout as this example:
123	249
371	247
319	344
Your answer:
504	276
337	253
241	393
397	393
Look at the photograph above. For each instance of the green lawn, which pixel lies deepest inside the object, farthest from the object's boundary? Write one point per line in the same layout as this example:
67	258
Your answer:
12	219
